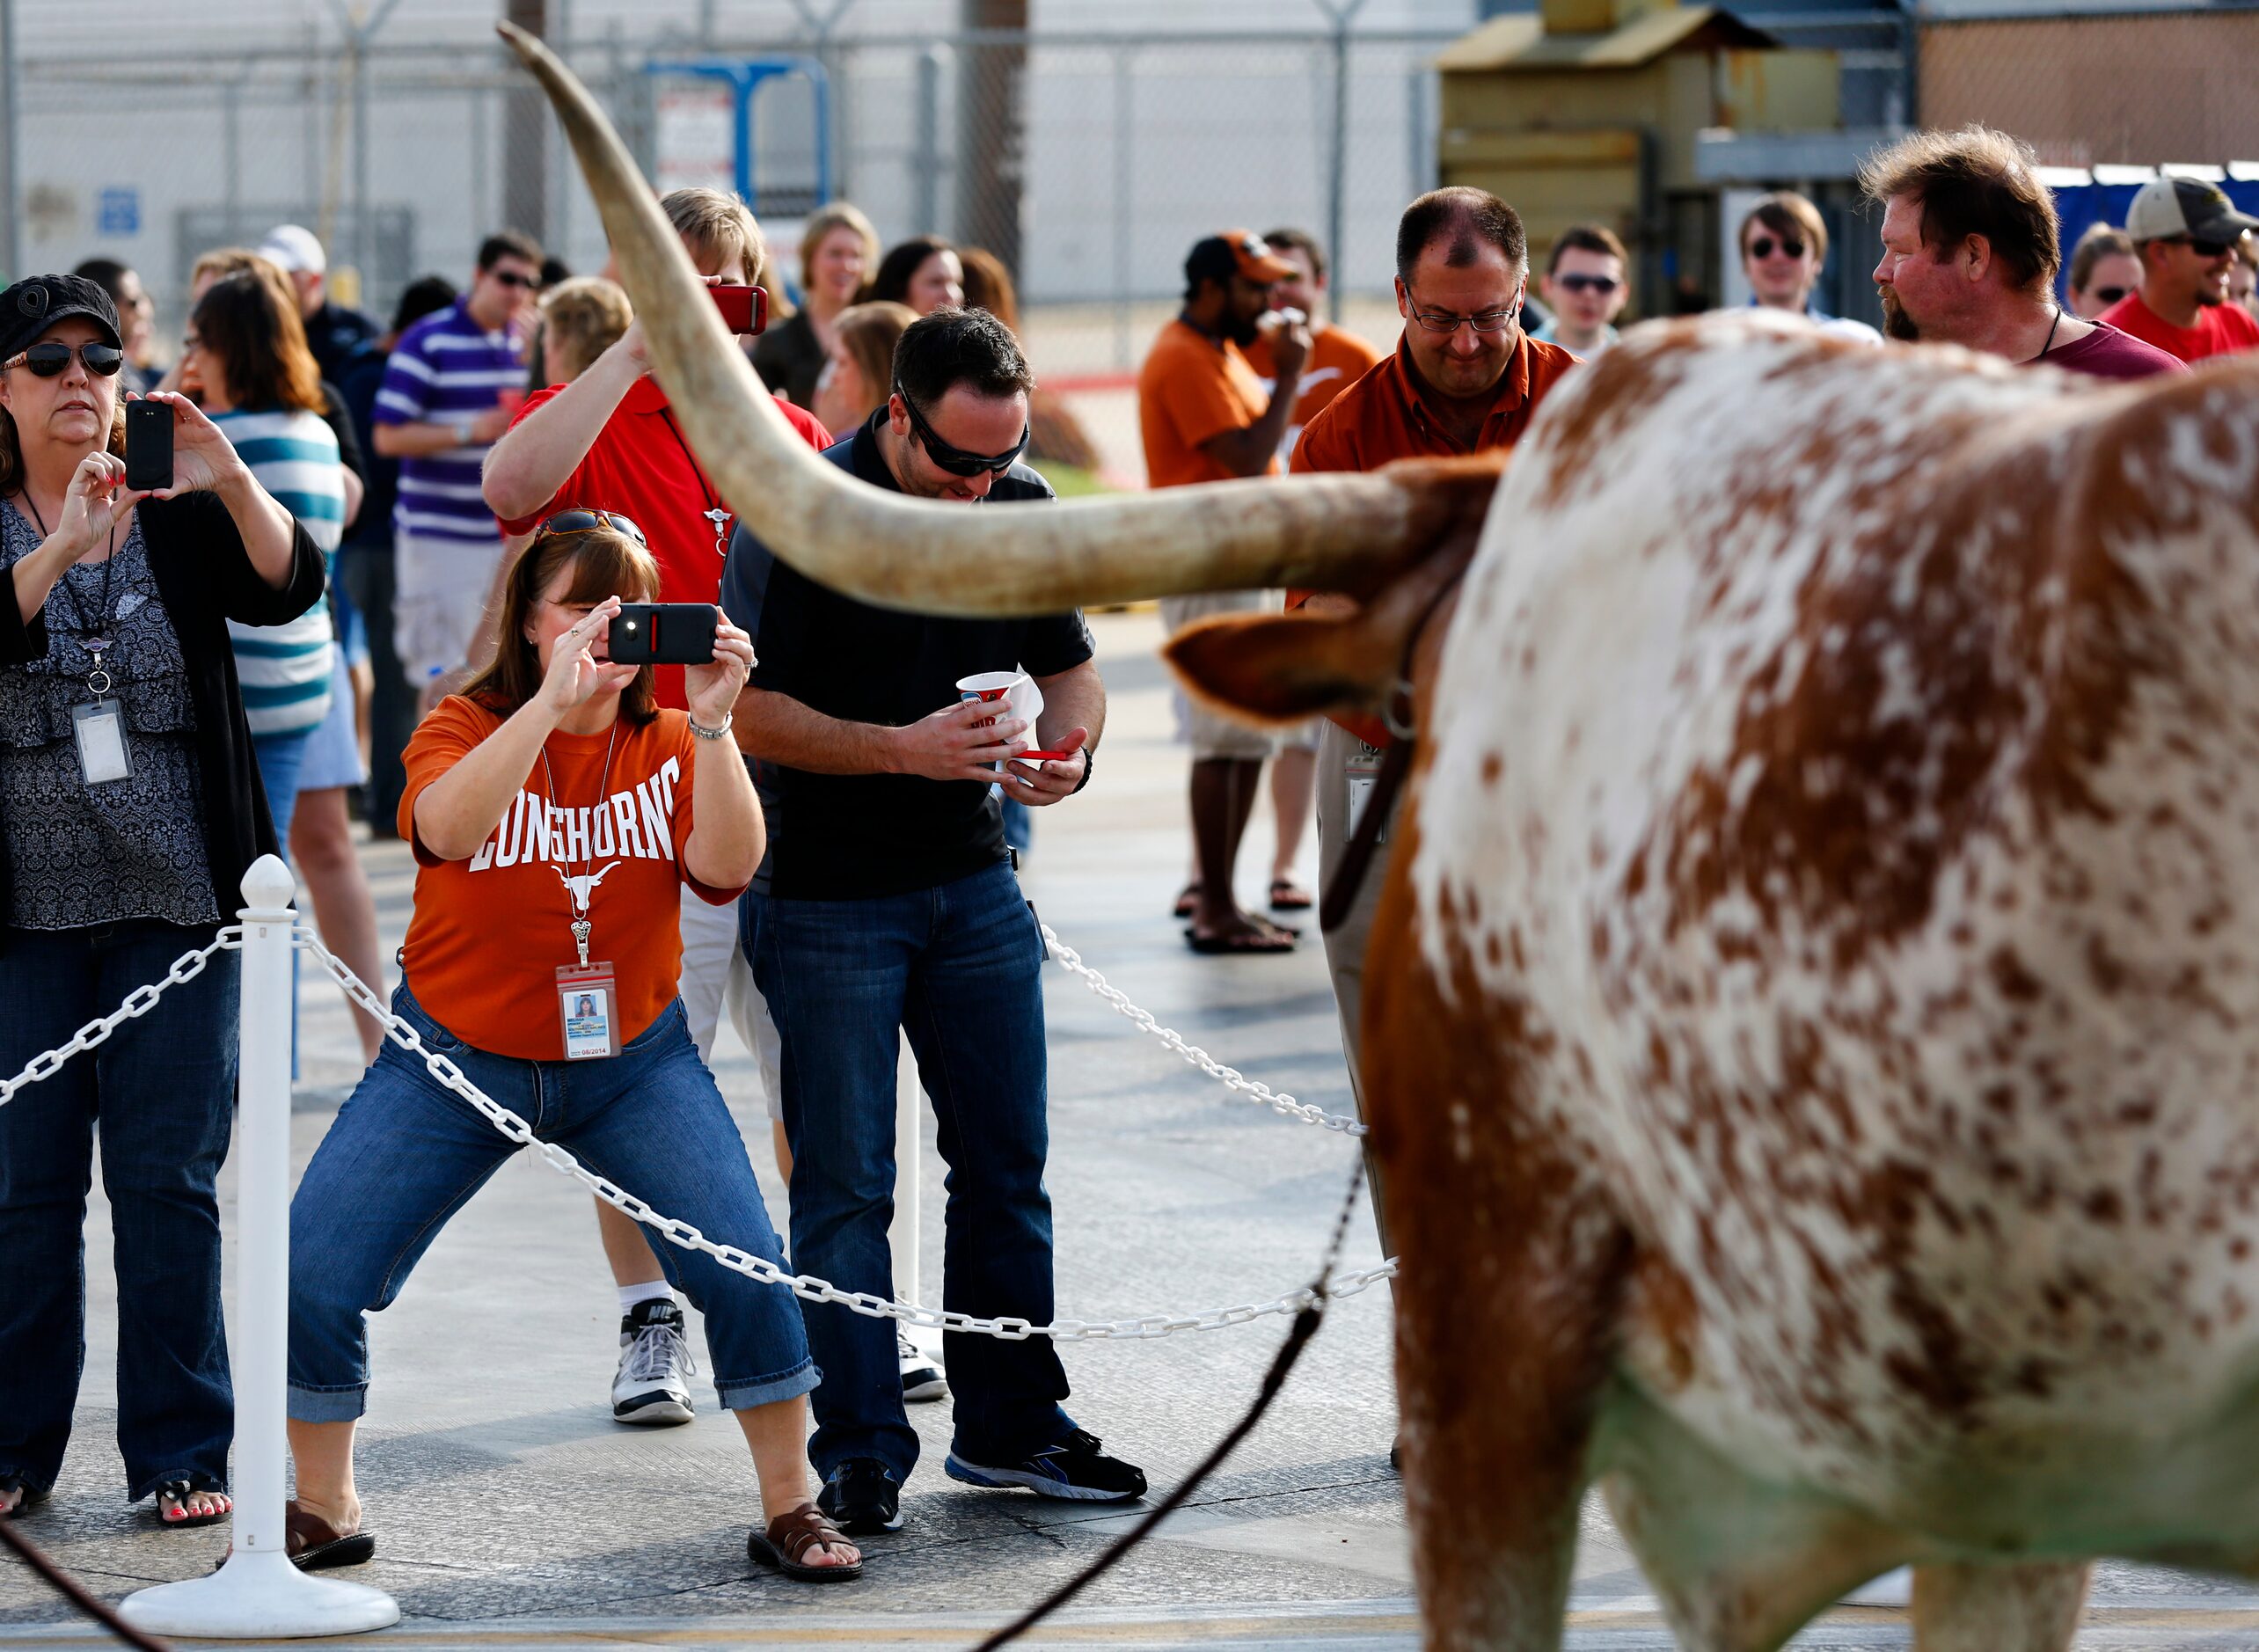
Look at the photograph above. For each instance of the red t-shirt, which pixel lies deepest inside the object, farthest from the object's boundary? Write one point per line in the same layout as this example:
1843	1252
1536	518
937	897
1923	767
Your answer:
641	468
2220	329
489	933
2106	353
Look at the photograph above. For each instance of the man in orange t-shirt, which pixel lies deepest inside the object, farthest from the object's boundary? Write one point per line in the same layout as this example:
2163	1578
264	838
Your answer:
1206	418
1338	359
1465	377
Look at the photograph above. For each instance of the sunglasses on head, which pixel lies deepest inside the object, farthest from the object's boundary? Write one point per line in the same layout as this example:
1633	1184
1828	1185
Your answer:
587	521
511	278
47	360
957	461
1578	281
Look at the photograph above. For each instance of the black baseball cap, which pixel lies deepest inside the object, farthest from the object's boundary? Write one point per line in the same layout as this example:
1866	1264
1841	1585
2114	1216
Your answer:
2167	209
36	302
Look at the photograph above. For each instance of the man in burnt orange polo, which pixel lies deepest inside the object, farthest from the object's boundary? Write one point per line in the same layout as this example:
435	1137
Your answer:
1465	377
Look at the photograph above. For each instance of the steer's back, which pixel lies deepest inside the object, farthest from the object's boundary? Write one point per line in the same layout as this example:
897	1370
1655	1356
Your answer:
1851	770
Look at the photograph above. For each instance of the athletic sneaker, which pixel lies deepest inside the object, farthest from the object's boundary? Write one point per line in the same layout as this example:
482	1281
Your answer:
862	1496
654	1363
921	1377
1075	1469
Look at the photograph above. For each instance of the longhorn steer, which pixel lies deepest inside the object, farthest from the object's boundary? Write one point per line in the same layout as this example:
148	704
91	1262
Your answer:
1812	1025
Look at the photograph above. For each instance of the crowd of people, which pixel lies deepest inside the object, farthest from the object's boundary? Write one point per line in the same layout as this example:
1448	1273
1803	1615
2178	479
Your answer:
385	565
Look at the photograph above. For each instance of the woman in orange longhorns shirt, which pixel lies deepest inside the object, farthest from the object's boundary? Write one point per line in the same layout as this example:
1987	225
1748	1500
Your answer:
556	812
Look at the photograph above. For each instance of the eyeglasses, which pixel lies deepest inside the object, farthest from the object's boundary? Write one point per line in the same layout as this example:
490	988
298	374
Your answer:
2201	248
2109	295
957	461
587	522
190	341
1762	247
1445	321
1576	282
47	360
511	278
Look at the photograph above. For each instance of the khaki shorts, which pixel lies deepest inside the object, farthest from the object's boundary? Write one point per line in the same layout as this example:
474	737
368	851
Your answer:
1211	734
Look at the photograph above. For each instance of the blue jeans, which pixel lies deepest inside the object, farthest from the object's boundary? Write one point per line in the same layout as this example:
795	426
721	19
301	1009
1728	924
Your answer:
280	757
404	1154
160	1094
955	967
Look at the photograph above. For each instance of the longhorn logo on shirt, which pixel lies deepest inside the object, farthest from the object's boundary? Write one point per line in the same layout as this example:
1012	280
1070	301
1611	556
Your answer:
635	823
582	885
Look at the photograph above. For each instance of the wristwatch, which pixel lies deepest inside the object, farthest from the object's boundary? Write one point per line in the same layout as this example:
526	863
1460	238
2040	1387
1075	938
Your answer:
1086	773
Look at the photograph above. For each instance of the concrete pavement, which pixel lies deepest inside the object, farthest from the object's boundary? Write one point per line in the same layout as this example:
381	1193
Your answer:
510	1511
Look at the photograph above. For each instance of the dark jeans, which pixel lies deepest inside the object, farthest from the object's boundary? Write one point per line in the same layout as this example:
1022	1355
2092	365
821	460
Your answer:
366	572
955	967
405	1154
160	1093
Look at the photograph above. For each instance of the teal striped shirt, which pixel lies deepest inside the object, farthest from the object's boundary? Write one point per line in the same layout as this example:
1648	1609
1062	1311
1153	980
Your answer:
285	669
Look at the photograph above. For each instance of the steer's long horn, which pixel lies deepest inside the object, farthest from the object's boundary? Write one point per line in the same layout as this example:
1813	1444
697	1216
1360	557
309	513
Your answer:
1333	532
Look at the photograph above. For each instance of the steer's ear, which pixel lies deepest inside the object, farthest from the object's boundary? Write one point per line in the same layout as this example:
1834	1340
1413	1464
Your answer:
1281	668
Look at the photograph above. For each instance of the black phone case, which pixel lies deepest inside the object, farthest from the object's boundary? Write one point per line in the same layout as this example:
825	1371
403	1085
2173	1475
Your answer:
149	445
663	633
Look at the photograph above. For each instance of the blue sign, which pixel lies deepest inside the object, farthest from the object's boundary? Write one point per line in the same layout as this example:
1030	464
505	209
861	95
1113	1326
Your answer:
118	212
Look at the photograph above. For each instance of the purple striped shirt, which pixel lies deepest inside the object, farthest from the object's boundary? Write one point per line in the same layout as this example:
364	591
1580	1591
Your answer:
446	366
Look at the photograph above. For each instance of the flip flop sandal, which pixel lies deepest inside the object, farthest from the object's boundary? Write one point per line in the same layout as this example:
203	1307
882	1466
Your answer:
173	1493
1287	895
315	1545
1188	901
790	1536
28	1495
1269	938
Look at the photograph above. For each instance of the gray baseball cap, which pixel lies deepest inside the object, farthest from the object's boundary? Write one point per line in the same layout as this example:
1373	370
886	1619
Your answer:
2165	208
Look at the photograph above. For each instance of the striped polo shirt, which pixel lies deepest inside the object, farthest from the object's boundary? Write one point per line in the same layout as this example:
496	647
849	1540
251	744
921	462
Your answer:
285	669
446	366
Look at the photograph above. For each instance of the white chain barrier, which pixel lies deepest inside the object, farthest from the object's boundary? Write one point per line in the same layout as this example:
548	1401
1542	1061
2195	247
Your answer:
189	965
139	1002
806	1287
1231	1077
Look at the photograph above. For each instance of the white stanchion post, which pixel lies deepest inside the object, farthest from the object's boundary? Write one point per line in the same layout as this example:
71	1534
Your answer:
258	1595
901	1236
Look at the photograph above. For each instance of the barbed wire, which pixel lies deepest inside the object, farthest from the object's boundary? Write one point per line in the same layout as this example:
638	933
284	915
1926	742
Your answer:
1230	1078
805	1286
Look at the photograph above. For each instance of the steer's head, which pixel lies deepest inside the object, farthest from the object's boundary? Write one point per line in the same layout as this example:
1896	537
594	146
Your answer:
1356	534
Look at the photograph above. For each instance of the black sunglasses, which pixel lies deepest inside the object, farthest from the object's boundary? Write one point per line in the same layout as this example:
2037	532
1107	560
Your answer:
2202	248
511	278
957	461
1762	247
49	360
2110	295
587	521
1576	282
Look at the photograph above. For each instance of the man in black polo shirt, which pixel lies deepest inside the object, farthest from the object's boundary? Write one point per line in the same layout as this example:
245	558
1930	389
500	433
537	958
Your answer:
888	901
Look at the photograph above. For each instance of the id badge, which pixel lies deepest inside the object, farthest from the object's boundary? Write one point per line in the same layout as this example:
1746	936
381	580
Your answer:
100	726
587	1009
1363	773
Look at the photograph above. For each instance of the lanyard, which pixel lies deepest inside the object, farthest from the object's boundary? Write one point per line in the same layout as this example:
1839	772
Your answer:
580	886
96	644
713	512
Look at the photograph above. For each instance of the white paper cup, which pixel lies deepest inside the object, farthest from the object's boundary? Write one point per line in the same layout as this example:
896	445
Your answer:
1019	695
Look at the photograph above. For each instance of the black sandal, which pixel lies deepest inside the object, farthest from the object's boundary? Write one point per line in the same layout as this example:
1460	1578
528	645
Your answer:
28	1496
315	1545
173	1493
793	1535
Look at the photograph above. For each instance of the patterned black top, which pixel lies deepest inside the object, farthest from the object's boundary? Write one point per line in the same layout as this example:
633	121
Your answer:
82	854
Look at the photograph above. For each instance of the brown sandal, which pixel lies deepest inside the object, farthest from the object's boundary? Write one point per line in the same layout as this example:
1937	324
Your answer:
793	1535
315	1545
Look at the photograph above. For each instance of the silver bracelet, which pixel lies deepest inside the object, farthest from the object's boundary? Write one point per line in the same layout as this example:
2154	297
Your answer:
713	734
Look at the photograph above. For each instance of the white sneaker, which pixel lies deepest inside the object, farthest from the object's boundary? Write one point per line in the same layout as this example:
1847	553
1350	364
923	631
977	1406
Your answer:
922	1379
654	1363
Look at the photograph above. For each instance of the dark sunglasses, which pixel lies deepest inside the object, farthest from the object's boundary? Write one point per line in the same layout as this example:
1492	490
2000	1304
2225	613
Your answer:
511	278
1762	247
49	360
2110	295
586	520
2202	248
957	461
1576	282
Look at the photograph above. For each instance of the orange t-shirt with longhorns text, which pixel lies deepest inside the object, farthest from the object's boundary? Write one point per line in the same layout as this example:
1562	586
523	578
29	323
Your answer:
489	933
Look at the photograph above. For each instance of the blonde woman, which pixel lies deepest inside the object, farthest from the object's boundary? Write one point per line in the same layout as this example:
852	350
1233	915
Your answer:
839	251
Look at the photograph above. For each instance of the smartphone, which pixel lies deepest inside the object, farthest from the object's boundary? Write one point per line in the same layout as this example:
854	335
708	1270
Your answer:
664	634
744	308
149	445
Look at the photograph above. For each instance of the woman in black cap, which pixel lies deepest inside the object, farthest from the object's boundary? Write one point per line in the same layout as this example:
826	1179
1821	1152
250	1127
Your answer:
130	811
